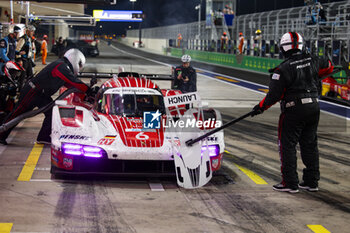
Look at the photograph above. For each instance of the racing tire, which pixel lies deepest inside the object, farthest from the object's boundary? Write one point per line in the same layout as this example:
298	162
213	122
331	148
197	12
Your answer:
332	94
53	170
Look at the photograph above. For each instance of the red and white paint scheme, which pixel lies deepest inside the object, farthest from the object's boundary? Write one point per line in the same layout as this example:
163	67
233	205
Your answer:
331	88
112	128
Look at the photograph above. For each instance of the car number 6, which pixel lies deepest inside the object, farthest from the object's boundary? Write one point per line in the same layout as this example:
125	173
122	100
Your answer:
142	136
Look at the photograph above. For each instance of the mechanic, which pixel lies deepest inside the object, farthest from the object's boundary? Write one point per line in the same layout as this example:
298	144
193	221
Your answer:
296	83
44	50
24	51
61	46
37	92
185	77
8	89
8	45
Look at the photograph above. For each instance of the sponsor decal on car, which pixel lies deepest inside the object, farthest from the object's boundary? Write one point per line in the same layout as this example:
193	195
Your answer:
74	137
107	140
141	130
176	142
68	163
212	139
134	120
54	160
215	163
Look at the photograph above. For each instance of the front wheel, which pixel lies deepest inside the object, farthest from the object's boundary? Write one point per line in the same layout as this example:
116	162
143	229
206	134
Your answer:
332	94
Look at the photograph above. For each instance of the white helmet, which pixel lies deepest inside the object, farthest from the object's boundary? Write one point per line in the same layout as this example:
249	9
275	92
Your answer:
186	58
291	41
76	59
12	70
31	28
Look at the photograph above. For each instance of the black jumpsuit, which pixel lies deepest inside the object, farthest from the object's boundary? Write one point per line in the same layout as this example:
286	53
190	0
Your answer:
191	85
37	92
296	82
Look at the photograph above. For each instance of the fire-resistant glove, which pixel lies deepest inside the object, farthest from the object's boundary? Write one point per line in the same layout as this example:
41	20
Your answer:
257	110
93	81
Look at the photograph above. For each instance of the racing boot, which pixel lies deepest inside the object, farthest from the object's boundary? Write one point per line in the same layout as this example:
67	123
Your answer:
3	142
43	140
310	188
285	188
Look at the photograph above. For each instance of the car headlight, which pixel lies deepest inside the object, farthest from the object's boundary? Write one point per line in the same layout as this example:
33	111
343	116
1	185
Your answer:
82	150
214	150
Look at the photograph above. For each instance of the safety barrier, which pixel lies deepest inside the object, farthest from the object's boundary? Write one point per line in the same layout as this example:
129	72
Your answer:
261	64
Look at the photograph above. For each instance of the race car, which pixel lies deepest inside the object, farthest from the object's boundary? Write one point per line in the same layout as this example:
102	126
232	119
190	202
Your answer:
331	89
131	128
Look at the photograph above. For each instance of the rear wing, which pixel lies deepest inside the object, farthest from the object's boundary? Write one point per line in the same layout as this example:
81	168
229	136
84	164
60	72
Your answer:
159	77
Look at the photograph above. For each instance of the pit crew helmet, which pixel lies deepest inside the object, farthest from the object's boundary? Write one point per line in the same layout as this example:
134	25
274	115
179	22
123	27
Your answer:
186	58
258	32
16	29
12	70
31	28
291	42
76	59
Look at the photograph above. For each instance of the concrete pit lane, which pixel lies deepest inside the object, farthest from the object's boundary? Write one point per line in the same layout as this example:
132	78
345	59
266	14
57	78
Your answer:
239	198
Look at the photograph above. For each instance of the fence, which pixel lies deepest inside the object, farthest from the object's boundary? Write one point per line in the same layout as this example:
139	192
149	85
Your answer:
272	23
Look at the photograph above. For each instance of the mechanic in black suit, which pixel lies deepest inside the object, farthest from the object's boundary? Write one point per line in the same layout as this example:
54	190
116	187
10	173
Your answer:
185	77
296	83
37	92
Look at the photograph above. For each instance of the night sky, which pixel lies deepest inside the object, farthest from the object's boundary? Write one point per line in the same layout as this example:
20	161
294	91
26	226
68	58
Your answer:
168	12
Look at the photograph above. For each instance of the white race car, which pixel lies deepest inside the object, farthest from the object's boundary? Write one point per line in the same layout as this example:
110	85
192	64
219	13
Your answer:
133	127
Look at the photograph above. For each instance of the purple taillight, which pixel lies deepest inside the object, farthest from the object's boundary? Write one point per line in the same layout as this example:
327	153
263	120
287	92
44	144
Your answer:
213	150
82	150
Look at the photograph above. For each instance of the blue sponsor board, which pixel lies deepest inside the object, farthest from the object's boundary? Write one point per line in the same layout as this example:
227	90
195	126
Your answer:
118	16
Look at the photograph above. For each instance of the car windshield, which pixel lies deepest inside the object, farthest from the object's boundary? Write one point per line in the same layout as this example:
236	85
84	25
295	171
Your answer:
132	104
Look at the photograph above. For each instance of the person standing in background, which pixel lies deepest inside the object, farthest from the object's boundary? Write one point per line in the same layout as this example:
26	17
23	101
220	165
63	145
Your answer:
8	45
44	50
179	40
240	43
24	51
224	42
61	47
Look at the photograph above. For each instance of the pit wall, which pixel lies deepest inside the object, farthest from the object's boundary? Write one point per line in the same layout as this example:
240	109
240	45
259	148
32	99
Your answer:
260	64
155	45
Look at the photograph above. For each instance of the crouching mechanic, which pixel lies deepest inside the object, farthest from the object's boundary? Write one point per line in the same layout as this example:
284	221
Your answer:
37	92
296	83
185	77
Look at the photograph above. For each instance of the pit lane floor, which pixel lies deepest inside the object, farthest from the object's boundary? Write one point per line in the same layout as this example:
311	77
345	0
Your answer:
238	199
